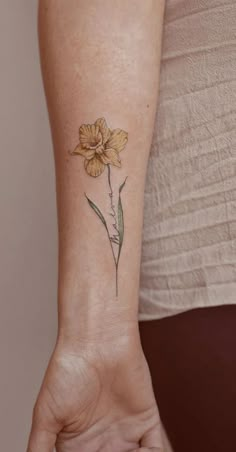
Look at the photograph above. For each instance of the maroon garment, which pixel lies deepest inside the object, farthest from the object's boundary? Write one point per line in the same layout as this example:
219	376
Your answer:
192	359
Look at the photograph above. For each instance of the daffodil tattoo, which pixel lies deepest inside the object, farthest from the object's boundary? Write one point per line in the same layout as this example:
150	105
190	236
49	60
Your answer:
101	147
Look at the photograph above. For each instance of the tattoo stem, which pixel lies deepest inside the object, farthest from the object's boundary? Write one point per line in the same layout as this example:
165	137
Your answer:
113	254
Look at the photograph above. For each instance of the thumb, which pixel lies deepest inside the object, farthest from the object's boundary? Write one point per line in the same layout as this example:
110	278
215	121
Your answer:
43	433
41	440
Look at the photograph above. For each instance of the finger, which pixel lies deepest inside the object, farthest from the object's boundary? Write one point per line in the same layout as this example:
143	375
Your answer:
152	440
41	440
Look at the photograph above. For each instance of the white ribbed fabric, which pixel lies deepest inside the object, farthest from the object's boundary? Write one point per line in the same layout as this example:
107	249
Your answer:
189	235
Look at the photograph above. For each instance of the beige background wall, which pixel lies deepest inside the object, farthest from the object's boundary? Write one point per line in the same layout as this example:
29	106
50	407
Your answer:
27	223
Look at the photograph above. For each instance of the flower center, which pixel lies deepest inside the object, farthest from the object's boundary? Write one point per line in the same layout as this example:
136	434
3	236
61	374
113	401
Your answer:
99	149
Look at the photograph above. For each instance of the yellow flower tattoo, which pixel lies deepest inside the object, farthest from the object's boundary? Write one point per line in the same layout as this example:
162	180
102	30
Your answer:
101	147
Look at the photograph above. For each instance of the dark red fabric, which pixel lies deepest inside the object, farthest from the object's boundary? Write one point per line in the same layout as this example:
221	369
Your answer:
192	359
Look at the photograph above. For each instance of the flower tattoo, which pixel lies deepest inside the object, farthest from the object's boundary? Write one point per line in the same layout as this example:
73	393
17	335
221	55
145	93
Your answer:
101	147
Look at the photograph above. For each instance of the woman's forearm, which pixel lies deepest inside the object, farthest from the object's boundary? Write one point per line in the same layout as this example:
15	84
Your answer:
100	62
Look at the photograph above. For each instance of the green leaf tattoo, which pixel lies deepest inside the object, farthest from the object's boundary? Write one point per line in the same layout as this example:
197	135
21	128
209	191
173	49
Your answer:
120	220
96	210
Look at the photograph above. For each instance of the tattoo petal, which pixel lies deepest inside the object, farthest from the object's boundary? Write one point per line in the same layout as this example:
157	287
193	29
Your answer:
87	153
94	166
101	123
117	140
89	135
110	156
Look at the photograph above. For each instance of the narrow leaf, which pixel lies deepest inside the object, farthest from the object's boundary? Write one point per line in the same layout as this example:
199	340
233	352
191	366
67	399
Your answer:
120	220
97	211
122	185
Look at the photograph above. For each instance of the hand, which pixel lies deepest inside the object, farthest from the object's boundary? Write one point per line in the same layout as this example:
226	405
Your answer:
97	398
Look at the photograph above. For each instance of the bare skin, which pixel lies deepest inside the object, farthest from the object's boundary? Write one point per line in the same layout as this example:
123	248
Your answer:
100	59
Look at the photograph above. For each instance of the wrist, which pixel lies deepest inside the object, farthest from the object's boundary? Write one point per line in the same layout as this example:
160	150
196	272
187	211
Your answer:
93	321
102	329
112	346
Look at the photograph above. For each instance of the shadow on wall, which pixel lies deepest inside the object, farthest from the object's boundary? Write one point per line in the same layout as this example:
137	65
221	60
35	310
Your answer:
28	223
